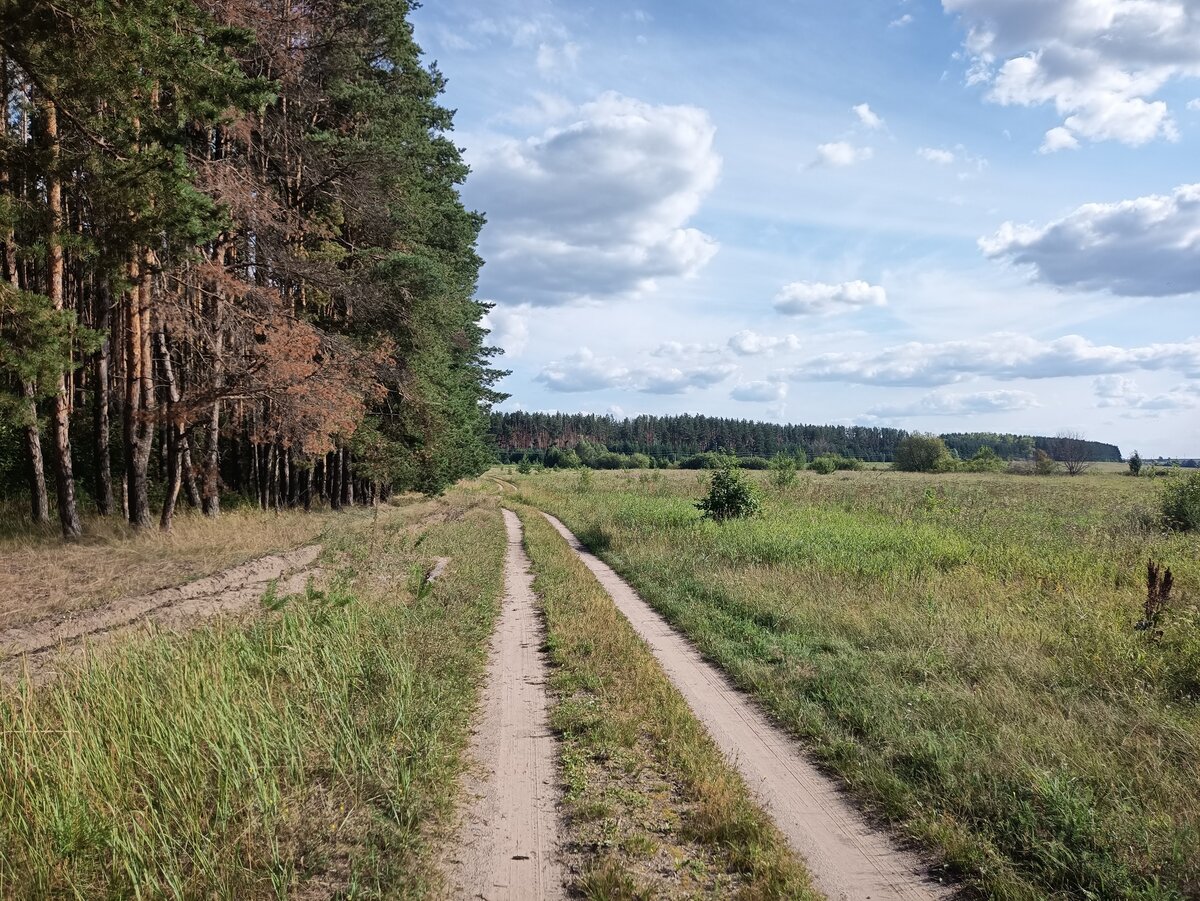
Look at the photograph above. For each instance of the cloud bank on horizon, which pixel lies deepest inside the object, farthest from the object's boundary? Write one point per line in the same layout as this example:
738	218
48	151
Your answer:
733	212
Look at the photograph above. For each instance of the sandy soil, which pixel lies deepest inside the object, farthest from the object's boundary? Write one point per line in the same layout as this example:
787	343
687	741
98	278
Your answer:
507	848
39	643
847	858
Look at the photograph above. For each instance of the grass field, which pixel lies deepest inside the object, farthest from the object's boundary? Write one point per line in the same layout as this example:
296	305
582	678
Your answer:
960	649
311	752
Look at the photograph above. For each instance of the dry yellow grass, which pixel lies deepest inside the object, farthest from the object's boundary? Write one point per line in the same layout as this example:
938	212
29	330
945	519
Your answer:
40	575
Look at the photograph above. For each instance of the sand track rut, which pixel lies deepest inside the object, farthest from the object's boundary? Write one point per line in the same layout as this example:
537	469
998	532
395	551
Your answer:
509	840
37	644
848	860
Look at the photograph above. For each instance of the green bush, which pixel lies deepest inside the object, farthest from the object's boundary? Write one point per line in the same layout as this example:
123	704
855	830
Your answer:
1135	464
759	463
783	470
706	460
639	461
609	460
823	465
985	460
921	453
730	495
1180	500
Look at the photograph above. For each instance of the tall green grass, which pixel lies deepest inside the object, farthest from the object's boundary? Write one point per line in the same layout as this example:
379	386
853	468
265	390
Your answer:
313	749
961	649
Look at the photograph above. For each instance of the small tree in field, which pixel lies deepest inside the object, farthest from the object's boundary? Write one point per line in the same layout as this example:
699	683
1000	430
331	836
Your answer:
783	470
1135	464
1044	464
1073	451
729	496
920	453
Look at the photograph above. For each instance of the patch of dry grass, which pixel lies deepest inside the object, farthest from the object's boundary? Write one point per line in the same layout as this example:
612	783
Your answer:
40	575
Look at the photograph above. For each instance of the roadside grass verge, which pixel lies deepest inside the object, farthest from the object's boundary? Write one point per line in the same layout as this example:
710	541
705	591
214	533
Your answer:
312	751
654	809
961	650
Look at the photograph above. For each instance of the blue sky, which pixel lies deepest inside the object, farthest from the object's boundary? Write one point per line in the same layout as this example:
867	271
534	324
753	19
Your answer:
949	216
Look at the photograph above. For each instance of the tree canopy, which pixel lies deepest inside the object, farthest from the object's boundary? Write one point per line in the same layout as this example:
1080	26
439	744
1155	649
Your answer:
234	255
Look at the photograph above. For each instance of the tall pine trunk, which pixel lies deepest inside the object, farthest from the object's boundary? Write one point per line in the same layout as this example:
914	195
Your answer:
210	484
176	440
102	410
139	394
39	500
64	476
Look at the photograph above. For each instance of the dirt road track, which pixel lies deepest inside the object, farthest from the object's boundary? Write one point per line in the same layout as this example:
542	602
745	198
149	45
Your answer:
848	860
508	844
36	644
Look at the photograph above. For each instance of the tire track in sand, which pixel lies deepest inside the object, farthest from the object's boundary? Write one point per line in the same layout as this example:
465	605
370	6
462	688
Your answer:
35	646
508	843
847	859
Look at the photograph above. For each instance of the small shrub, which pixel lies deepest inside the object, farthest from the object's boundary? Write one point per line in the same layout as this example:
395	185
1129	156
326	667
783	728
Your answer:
730	495
1135	464
823	465
758	463
586	481
1044	464
706	460
1180	501
783	470
524	467
985	460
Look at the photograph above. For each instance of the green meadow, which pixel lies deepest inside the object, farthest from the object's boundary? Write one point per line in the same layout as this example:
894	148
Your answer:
962	650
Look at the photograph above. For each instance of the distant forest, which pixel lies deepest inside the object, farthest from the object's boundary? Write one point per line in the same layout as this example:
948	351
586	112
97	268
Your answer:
671	438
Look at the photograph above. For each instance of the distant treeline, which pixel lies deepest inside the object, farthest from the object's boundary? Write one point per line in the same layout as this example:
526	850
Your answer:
674	438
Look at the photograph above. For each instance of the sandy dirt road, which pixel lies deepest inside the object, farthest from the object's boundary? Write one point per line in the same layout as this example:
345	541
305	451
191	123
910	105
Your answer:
508	844
847	858
36	645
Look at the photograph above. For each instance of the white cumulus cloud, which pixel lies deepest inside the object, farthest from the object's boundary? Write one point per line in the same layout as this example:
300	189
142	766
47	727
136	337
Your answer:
585	371
597	208
1121	392
747	343
1100	63
509	330
901	21
762	392
840	154
1000	356
937	155
944	403
868	116
809	298
1146	247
